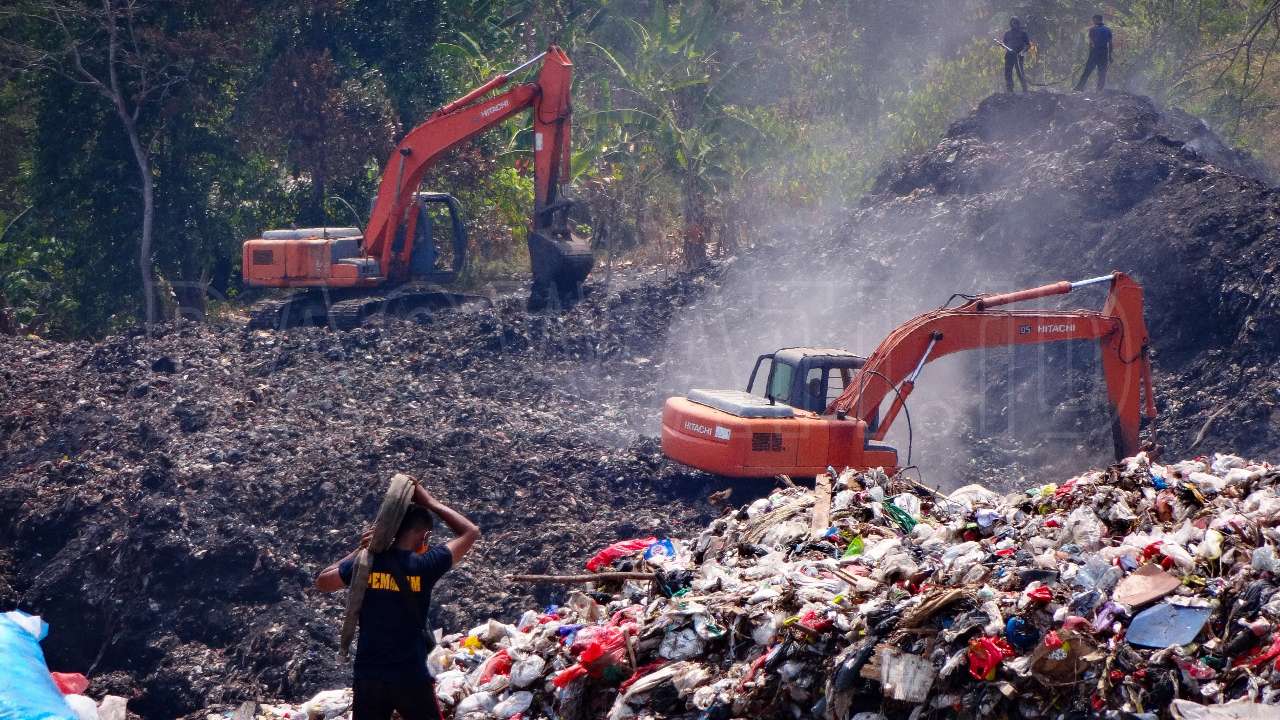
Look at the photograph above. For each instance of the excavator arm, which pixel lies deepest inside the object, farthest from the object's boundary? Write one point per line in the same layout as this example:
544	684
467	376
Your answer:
461	120
1119	327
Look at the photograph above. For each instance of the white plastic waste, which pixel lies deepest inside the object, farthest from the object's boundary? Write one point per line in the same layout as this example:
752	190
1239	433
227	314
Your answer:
451	686
681	645
527	670
113	707
84	707
476	703
515	703
328	704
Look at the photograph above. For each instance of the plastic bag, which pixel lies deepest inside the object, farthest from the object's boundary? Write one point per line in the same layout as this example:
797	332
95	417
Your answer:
661	552
84	708
112	707
498	664
451	686
1084	528
1021	634
481	702
515	704
26	688
328	704
526	671
985	655
70	683
681	645
617	551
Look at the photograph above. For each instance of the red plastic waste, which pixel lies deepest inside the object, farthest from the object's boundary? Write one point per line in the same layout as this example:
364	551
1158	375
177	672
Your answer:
815	623
1041	594
1195	669
70	683
617	551
1260	654
639	673
568	675
1152	550
599	650
985	655
498	664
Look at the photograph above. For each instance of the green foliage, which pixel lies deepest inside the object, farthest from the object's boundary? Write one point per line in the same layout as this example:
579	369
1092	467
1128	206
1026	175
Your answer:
693	119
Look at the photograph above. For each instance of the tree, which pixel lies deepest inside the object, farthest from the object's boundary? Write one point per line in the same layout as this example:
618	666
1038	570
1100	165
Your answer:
671	78
109	49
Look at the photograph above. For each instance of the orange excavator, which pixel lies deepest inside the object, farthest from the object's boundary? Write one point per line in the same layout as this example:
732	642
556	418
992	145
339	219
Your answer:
341	276
821	408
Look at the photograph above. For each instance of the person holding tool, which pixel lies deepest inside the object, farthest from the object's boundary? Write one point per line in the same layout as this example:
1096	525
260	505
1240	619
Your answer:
1016	42
1099	54
391	655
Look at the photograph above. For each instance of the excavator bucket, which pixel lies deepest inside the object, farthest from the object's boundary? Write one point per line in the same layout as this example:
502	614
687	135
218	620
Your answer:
560	263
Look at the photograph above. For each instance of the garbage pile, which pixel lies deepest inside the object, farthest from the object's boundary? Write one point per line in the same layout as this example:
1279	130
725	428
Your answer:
1143	589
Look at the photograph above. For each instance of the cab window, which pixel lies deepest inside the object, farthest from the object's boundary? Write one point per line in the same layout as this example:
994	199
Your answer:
815	392
780	382
837	380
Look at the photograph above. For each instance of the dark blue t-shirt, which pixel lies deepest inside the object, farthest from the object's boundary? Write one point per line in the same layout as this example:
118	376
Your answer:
1017	40
390	647
1099	39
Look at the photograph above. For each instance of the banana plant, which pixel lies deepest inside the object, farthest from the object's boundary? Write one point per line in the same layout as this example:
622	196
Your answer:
668	80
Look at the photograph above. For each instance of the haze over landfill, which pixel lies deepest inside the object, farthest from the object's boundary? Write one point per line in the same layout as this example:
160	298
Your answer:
170	490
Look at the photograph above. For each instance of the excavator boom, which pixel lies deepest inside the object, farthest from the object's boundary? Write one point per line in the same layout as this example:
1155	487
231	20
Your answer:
734	435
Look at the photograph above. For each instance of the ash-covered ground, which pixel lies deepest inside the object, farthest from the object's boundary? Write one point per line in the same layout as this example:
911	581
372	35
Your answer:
166	502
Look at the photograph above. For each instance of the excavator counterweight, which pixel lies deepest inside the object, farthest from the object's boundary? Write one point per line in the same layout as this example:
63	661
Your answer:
343	275
819	408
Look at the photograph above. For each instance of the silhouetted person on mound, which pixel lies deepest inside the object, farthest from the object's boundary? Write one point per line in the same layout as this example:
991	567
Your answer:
1016	42
1099	54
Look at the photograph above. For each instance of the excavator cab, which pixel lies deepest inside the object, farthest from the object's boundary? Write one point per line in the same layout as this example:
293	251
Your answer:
804	378
439	237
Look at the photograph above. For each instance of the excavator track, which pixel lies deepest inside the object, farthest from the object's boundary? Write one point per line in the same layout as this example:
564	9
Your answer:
266	315
288	312
351	314
301	309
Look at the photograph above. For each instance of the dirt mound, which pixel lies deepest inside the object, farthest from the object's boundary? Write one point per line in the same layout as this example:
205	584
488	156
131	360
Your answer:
1030	189
167	502
1076	185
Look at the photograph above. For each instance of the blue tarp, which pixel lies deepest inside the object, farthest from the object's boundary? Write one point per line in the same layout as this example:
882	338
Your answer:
26	690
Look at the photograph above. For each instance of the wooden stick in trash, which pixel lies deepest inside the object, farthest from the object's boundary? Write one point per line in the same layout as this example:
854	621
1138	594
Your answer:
573	579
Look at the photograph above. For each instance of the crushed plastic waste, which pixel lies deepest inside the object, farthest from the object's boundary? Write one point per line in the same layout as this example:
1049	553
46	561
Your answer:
971	605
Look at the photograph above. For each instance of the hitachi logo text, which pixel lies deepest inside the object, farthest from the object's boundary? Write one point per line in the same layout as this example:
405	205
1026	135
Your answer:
1061	328
696	428
491	110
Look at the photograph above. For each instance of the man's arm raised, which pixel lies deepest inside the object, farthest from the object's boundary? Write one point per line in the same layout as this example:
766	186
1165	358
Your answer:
467	532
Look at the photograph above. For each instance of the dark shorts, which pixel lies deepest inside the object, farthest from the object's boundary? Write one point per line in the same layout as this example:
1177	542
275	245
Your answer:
413	699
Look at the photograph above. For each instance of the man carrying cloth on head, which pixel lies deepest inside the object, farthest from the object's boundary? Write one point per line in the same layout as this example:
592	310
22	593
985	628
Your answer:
391	655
